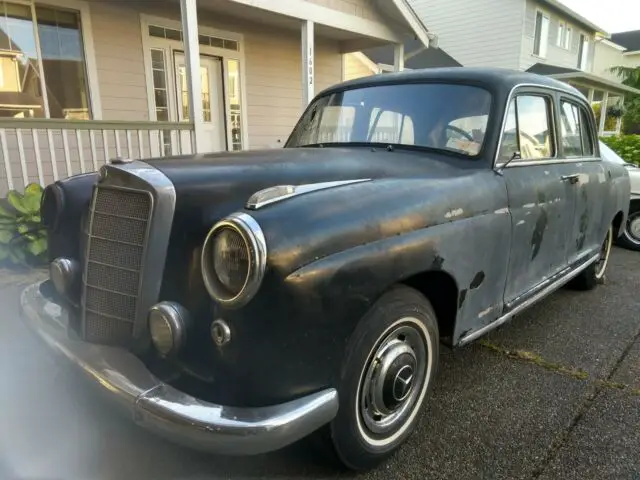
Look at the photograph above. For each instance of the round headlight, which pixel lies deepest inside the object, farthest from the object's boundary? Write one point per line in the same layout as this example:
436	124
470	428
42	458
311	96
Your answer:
234	259
167	327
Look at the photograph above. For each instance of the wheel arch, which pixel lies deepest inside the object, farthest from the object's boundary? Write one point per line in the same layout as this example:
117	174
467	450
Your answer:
441	289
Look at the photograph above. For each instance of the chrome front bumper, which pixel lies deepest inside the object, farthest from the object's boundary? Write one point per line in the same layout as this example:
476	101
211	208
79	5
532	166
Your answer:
166	411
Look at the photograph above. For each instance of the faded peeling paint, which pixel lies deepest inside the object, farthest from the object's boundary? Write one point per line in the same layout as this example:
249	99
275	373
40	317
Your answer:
486	312
502	211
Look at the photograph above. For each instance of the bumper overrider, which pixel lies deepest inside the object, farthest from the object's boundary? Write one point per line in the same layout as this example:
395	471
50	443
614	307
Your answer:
166	411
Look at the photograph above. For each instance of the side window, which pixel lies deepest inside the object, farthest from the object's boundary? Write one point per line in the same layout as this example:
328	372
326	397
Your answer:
534	127
587	134
571	131
577	134
528	129
391	127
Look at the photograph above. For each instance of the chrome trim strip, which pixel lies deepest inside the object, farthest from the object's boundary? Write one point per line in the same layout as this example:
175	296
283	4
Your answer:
253	236
162	409
527	303
278	193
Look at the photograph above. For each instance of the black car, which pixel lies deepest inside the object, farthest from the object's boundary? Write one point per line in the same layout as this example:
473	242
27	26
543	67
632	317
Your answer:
239	302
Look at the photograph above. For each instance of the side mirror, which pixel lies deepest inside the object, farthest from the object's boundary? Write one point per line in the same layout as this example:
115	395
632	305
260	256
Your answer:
516	156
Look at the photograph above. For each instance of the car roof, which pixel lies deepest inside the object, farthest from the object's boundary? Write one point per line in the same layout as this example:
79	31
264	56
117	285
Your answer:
502	78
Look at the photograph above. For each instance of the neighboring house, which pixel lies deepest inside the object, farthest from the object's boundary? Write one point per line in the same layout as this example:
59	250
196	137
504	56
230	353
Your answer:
621	50
539	36
84	81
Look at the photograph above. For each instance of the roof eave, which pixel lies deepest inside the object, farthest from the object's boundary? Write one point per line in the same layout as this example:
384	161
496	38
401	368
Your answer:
577	17
595	79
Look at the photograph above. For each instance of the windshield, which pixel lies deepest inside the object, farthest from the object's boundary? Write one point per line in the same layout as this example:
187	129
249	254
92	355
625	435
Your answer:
439	116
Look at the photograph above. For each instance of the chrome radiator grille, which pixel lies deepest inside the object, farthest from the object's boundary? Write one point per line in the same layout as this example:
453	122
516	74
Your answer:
117	237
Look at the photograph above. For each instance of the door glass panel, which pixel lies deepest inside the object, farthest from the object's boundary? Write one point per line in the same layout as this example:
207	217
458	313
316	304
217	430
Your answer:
534	131
235	103
184	92
571	140
587	134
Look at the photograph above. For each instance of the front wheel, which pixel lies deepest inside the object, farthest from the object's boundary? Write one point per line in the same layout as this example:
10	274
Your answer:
630	237
391	360
594	273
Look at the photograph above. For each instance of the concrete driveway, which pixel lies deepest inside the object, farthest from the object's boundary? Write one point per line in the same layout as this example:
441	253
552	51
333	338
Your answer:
555	394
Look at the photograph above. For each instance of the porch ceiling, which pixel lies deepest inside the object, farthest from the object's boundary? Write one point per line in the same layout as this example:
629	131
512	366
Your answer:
350	40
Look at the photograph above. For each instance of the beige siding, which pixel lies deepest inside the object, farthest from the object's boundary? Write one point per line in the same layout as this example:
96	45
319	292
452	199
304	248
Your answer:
117	39
273	68
476	33
556	55
359	8
354	68
607	56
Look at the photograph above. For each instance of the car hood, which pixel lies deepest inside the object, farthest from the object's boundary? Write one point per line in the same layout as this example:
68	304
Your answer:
213	185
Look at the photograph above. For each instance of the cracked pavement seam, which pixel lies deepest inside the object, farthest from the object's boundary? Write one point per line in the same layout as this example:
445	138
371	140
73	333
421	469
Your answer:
597	387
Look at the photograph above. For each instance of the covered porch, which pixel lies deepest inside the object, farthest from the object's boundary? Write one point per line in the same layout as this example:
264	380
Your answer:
604	95
259	63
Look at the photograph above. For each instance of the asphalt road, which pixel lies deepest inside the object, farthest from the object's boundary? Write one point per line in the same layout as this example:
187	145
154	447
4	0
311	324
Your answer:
555	394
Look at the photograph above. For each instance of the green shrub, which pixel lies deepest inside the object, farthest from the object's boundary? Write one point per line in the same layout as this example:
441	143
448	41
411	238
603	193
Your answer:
627	146
23	240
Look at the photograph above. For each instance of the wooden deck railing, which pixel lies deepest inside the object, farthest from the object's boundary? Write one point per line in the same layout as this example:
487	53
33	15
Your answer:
42	150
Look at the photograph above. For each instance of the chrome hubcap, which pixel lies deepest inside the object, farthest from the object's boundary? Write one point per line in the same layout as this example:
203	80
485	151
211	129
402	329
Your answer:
393	380
633	227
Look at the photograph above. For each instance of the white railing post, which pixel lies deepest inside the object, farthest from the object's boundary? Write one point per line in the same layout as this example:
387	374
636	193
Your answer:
308	67
189	15
619	119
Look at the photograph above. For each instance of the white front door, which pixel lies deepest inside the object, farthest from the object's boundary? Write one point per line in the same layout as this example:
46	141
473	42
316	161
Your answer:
212	99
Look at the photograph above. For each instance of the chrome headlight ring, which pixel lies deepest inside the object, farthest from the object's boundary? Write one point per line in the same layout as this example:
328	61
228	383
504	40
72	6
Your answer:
249	229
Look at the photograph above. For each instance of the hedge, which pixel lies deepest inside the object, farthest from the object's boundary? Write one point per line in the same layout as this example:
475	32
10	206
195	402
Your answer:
627	146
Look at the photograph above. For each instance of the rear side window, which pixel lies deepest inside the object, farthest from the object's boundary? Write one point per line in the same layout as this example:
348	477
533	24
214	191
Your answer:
577	138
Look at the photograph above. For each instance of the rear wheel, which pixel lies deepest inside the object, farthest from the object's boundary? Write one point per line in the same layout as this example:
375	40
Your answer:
630	237
594	273
391	360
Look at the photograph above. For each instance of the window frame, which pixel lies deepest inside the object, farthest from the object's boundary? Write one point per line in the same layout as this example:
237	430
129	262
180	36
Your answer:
584	45
582	109
86	31
568	38
551	112
542	52
562	33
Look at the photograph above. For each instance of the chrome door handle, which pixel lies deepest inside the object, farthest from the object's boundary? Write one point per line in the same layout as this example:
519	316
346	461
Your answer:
572	179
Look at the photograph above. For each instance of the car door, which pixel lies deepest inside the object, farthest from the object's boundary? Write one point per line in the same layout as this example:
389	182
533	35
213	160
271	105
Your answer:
541	197
577	145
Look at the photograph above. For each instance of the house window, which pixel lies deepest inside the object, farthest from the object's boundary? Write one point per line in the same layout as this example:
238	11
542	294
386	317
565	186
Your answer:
583	52
561	34
160	94
541	38
568	38
60	59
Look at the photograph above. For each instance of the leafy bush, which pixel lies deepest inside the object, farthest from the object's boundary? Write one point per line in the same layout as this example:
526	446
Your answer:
23	240
627	146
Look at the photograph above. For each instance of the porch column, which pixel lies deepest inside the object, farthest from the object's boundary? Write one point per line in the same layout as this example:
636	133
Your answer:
308	74
603	112
592	93
398	57
619	119
189	15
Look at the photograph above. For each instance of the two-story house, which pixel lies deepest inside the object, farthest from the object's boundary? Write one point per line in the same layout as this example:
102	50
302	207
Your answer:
539	36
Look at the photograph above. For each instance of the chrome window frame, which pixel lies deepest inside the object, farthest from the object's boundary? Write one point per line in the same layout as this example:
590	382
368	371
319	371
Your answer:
558	159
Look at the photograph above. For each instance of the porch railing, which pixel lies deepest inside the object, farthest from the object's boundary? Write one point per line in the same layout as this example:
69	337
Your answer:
43	150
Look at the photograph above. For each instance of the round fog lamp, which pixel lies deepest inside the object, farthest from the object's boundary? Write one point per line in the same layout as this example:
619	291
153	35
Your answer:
167	324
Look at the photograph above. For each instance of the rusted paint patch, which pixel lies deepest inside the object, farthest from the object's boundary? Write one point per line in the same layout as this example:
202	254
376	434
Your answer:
461	298
477	280
437	263
538	234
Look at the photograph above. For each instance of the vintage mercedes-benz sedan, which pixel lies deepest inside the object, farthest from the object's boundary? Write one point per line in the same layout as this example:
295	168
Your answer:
237	303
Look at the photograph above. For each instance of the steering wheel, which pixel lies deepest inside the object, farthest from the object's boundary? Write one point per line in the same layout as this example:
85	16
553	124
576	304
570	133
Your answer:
460	132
